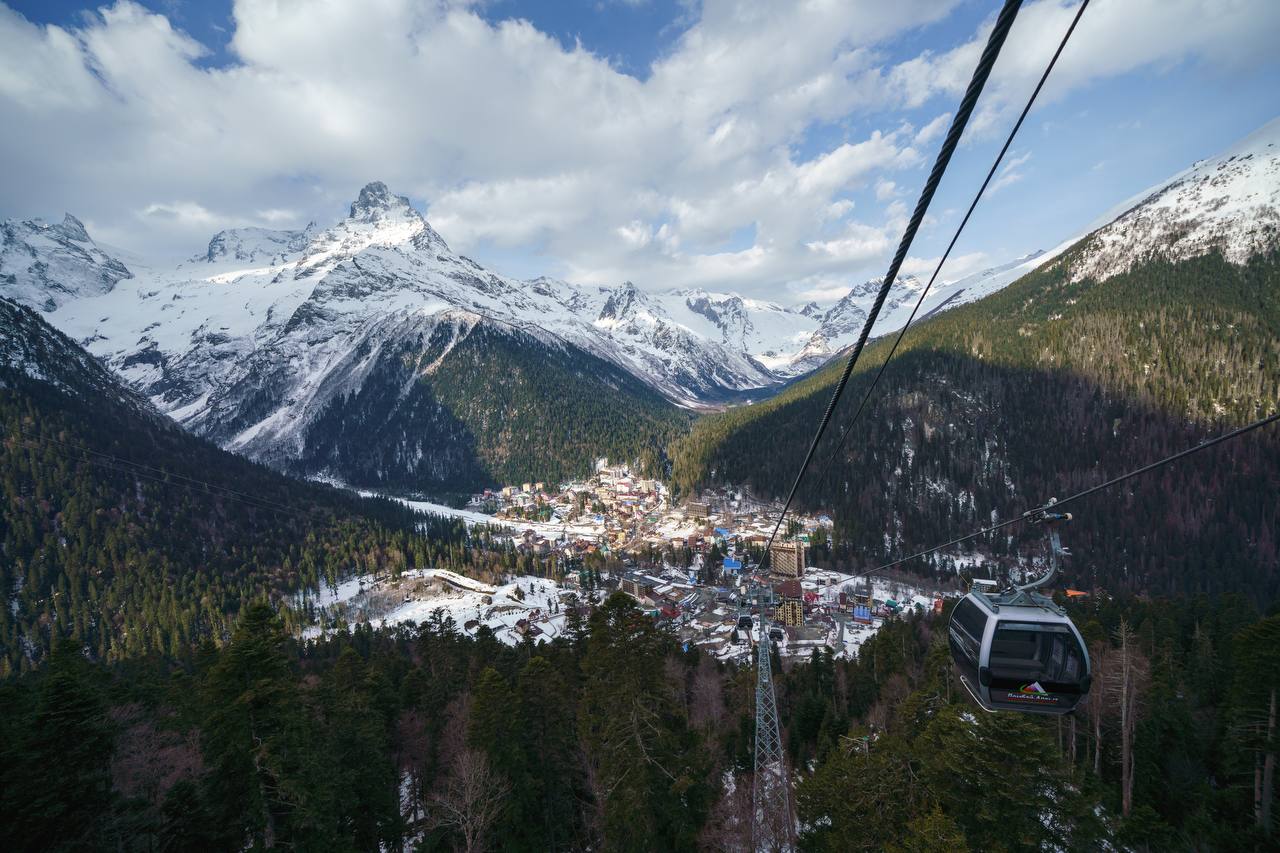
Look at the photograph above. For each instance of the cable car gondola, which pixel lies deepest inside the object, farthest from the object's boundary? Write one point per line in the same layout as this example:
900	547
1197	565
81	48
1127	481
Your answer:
1017	650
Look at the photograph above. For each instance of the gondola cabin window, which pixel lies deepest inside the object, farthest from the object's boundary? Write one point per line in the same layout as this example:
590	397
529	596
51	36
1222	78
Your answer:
972	622
1026	653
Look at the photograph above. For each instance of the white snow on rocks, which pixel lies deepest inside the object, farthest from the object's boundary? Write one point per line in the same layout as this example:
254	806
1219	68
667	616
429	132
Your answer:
252	338
1229	203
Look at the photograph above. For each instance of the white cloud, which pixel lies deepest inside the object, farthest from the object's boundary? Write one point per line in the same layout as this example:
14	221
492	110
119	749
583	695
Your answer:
184	212
1114	37
1009	172
933	129
636	234
840	209
277	217
957	266
514	141
822	289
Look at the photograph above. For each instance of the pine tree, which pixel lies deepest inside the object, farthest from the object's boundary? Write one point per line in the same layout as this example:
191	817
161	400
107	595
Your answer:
931	832
859	799
554	781
60	797
1254	695
260	783
1005	757
646	768
357	758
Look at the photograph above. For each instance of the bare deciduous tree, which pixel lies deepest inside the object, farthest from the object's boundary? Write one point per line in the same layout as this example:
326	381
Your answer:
728	829
412	749
894	691
1264	783
706	705
471	801
1098	654
1125	679
148	760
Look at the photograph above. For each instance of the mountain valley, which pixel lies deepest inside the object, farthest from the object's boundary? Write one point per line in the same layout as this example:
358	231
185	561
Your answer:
330	521
262	341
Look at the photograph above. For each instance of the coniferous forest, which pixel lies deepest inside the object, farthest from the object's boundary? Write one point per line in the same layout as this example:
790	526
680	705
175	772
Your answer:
131	537
498	406
591	284
1041	390
613	738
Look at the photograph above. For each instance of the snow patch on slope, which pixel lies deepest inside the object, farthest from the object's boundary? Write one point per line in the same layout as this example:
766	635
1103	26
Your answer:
1229	203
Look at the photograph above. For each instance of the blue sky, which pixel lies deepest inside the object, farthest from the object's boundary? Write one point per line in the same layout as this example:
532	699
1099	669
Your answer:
772	149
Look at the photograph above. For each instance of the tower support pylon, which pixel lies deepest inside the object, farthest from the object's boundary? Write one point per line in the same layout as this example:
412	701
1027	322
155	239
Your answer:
772	824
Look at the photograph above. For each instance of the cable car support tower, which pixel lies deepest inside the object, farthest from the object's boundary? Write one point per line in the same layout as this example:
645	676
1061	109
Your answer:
772	824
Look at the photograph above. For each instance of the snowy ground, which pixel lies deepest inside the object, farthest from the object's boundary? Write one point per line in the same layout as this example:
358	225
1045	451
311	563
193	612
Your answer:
416	596
471	517
550	530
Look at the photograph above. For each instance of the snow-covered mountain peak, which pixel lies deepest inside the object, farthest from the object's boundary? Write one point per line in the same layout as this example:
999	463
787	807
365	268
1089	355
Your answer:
73	229
376	202
378	219
619	304
269	333
44	266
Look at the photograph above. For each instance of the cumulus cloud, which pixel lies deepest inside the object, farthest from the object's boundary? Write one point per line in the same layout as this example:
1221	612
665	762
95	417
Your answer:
935	128
514	141
1114	37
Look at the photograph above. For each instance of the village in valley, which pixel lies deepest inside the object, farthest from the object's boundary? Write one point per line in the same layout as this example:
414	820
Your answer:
693	566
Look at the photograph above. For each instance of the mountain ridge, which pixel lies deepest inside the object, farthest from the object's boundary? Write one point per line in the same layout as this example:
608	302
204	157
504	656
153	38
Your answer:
250	342
1147	335
695	346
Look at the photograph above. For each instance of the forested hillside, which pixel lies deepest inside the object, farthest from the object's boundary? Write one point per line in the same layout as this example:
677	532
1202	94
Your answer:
467	407
1166	754
1042	389
132	537
612	738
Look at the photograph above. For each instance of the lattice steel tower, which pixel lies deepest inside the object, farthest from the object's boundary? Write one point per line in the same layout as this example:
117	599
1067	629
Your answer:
772	826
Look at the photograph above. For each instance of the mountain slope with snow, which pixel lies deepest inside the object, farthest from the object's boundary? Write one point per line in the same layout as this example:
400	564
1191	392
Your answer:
1229	203
183	335
270	342
1151	333
45	266
267	334
34	353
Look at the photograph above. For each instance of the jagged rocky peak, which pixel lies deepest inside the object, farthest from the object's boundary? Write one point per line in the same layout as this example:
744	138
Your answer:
871	286
722	310
547	286
810	309
394	217
377	202
619	301
73	229
44	266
